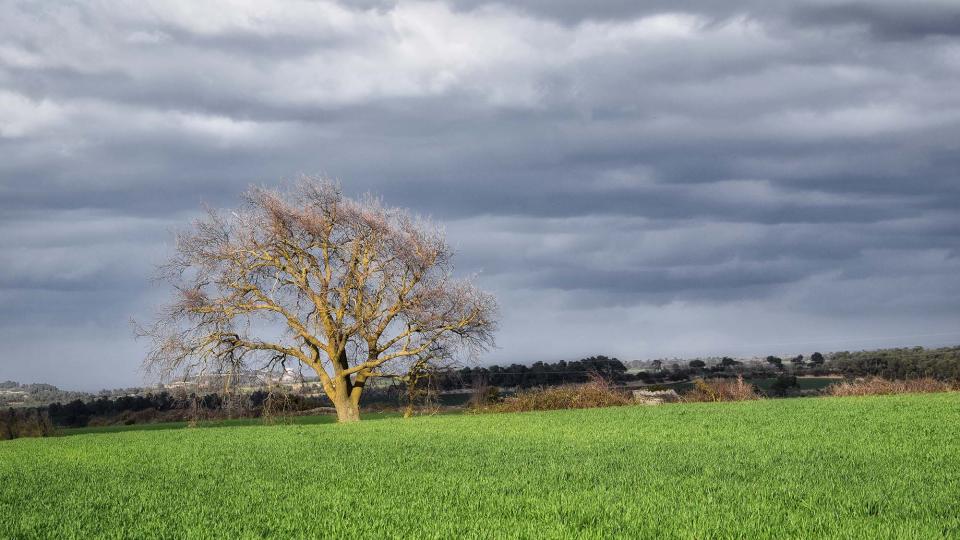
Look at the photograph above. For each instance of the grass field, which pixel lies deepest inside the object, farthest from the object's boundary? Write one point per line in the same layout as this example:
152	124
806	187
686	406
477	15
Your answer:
875	467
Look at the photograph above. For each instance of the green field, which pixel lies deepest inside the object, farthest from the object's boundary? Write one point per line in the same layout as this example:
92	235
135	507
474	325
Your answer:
875	467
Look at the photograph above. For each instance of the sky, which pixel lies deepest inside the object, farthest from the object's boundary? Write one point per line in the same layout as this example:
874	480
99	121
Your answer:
636	179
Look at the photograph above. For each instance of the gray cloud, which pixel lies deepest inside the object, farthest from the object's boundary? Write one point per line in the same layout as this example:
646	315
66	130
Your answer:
893	21
639	179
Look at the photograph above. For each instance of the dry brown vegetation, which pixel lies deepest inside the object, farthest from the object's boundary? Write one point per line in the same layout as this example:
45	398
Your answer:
596	393
721	390
876	386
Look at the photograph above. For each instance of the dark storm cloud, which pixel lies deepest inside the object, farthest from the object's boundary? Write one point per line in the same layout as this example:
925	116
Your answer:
894	21
572	12
883	18
708	170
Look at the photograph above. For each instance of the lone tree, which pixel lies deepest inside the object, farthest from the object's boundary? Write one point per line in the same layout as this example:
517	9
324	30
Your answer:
350	288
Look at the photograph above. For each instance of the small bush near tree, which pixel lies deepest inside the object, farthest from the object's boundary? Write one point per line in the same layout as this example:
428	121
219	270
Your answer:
783	384
16	423
596	393
721	390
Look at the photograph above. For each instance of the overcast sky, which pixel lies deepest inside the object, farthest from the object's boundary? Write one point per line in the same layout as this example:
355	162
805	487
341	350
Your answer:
636	179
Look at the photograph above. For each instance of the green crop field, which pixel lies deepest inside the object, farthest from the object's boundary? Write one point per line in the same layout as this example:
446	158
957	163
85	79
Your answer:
877	467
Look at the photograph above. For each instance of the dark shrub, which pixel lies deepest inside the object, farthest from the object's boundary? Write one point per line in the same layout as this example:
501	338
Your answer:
16	423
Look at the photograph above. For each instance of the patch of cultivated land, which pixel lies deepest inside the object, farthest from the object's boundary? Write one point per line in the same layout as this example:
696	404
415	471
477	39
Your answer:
875	467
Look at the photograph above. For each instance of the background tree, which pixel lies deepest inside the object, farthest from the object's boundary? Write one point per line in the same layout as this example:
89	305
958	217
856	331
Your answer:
608	368
726	362
816	359
783	384
350	288
421	384
698	364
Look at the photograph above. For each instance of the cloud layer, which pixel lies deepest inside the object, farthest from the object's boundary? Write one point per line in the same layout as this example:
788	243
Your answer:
635	179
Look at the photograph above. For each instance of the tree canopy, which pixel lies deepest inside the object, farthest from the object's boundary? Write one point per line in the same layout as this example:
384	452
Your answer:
348	288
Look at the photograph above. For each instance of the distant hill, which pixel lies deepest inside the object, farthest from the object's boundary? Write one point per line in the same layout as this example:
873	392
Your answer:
14	394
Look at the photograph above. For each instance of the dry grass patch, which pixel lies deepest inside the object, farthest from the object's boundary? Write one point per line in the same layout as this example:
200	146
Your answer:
596	393
876	386
721	390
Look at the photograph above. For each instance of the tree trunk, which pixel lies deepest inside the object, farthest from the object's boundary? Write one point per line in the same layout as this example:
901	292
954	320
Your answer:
347	409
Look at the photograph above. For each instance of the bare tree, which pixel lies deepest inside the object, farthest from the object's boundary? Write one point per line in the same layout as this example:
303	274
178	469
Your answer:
350	288
420	382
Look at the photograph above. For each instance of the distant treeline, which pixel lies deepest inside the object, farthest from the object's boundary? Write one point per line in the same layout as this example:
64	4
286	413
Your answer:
79	413
611	369
542	373
905	363
616	371
901	363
